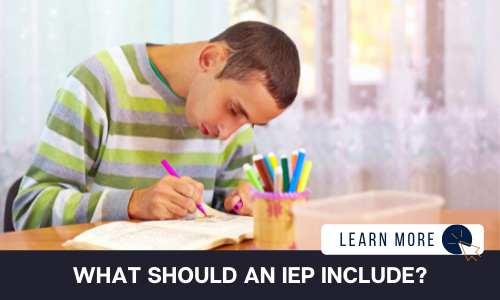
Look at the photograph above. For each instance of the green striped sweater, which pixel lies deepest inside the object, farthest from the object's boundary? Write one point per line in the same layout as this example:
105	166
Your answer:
112	123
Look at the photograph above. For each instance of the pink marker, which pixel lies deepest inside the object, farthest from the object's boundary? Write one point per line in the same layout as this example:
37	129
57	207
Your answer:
172	172
238	206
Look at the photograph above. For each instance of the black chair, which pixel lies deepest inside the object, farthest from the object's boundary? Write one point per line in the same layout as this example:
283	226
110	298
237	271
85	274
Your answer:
8	225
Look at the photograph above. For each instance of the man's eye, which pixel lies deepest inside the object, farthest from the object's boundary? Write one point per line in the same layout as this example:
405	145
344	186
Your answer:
233	111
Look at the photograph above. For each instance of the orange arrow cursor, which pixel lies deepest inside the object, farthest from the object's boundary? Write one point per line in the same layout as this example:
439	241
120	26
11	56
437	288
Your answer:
469	250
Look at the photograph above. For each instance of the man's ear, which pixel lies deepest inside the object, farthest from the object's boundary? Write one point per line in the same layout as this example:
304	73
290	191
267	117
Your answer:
211	56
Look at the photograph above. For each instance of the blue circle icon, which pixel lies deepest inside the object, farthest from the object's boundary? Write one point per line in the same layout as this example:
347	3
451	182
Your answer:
452	237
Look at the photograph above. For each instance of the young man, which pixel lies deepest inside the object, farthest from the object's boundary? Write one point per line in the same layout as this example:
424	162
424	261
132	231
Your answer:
123	110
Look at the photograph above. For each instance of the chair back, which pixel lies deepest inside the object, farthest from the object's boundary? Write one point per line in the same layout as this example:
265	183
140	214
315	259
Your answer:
8	225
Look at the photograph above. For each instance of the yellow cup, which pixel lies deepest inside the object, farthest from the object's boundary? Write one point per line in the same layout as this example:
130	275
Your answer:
274	227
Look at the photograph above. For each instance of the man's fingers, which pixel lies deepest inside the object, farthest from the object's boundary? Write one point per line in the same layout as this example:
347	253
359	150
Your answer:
200	188
244	194
228	204
162	213
200	201
235	199
184	202
197	185
246	210
232	193
176	209
186	188
245	191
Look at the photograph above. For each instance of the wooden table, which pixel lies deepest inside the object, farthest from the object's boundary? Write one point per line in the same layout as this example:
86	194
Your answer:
53	237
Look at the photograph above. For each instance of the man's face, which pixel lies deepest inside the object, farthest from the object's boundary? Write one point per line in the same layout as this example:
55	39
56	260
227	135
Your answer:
219	107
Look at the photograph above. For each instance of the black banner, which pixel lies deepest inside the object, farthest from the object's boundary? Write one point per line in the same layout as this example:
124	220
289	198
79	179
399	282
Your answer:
56	274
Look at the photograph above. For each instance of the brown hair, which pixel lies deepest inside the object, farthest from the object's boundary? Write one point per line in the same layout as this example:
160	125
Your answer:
256	46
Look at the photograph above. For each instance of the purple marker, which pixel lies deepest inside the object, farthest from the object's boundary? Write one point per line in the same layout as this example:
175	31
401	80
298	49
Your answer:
172	172
238	206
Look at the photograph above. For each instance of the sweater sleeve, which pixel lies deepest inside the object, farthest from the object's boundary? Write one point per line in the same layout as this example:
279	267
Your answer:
55	189
235	152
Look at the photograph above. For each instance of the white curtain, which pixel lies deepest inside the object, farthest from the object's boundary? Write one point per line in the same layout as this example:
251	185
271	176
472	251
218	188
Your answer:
452	152
41	41
429	122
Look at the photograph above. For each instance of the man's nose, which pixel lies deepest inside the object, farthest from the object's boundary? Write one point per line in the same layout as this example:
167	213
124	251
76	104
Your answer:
225	132
227	129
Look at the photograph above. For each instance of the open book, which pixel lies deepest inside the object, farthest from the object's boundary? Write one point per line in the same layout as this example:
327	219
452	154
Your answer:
193	232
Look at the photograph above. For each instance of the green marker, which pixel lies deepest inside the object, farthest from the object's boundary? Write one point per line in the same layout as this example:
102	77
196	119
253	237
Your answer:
286	178
253	177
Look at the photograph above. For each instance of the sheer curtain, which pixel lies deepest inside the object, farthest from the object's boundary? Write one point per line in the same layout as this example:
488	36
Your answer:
406	96
394	94
41	41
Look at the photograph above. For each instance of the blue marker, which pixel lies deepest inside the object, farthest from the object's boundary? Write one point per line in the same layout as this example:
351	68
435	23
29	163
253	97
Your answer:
298	171
269	166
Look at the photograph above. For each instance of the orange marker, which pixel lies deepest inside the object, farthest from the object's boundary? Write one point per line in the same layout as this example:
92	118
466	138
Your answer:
295	154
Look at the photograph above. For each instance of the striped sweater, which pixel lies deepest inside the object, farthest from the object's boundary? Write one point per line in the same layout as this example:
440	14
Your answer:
112	123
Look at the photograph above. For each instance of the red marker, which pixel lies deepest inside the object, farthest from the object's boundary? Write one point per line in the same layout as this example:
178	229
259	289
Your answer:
264	172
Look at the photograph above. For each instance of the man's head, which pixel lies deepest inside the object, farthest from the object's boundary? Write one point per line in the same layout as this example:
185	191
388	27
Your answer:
247	74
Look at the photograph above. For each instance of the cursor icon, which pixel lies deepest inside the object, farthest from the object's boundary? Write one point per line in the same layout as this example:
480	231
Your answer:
468	249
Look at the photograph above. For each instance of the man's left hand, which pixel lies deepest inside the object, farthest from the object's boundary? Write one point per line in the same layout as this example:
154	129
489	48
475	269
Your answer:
241	193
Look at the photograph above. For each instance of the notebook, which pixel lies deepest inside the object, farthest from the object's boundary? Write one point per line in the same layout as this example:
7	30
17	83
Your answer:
193	232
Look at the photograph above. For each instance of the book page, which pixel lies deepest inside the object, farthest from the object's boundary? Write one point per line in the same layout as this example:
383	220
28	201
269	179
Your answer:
137	236
217	223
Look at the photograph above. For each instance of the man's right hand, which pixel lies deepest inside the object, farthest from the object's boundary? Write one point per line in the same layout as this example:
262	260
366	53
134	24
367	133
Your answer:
169	198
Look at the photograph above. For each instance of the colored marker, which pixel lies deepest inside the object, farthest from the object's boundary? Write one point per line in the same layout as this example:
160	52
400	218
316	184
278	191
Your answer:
298	170
238	206
278	179
286	177
264	173
255	182
172	172
294	160
272	159
274	164
305	176
269	166
253	177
